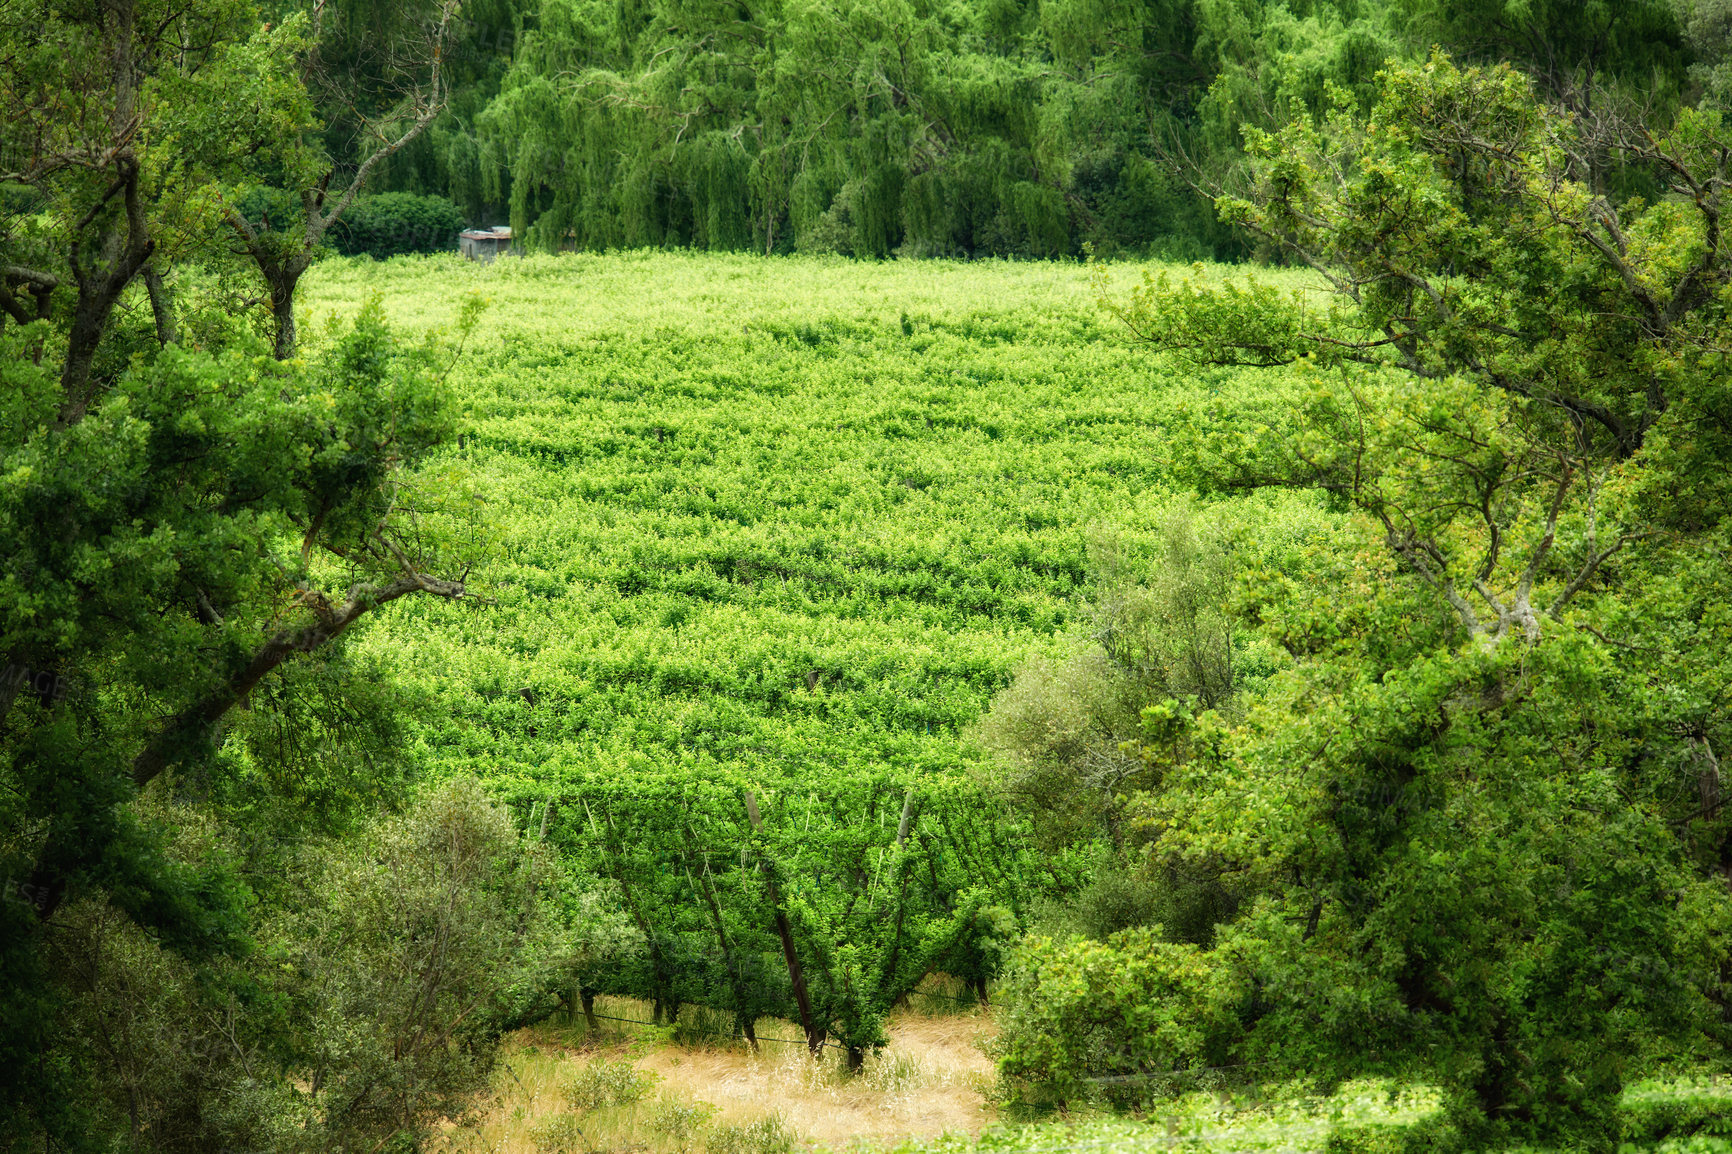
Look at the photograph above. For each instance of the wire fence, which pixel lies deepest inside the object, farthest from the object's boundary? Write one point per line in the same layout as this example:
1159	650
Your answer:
731	1037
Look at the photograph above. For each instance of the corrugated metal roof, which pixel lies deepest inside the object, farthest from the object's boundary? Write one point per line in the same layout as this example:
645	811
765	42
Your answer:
501	233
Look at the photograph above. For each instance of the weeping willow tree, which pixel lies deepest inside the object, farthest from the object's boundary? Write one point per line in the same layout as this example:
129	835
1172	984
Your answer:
921	127
859	126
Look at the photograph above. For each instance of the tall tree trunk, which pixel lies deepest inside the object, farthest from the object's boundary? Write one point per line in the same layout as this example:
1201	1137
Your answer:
187	730
100	285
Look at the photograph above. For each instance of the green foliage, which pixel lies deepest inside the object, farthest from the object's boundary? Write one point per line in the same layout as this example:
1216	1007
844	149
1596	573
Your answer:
766	1135
969	129
700	1025
679	1122
1510	388
694	602
972	128
1368	1115
601	1084
560	1134
1118	1021
1573	50
1683	1111
393	223
182	516
408	954
361	1002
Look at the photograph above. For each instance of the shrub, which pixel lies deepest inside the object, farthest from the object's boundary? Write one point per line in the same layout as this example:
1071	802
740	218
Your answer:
559	1134
767	1135
679	1122
392	223
1088	1020
1687	1108
601	1084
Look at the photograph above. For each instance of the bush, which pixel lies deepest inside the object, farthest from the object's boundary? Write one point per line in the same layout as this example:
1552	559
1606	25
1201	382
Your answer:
602	1084
559	1134
1687	1108
393	223
679	1122
767	1135
405	1034
1089	1020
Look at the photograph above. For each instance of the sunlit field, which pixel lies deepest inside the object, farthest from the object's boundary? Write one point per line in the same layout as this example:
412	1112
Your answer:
767	510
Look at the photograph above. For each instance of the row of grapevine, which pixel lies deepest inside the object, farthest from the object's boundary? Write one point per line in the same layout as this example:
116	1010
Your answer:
821	902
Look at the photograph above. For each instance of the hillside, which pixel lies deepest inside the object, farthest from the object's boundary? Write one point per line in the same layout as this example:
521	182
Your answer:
754	511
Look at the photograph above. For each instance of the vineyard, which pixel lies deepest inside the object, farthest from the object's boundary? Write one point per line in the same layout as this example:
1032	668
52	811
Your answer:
767	538
837	635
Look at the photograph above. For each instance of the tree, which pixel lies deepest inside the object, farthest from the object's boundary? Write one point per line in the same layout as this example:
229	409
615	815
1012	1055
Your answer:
116	116
1572	50
821	906
1515	335
1487	783
413	951
179	521
302	165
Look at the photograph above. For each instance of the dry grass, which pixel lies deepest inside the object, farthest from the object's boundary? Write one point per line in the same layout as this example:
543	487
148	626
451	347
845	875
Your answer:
932	1077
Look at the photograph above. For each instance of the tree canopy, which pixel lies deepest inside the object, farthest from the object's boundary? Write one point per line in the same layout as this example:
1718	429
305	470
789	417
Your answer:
1487	782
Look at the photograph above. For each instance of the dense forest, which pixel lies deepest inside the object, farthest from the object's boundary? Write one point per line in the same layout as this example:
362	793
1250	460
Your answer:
1280	672
928	129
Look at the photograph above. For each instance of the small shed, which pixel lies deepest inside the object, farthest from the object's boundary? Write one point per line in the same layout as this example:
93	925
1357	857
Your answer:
483	244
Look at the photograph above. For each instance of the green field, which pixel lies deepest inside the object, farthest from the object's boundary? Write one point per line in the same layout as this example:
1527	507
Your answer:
808	510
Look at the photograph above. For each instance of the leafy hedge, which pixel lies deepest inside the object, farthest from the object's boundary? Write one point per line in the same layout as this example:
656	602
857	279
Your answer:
397	222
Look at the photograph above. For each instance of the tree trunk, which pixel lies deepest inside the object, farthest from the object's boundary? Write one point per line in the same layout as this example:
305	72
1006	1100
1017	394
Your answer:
796	975
11	681
856	1059
736	979
587	997
282	285
161	308
193	725
97	297
196	721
